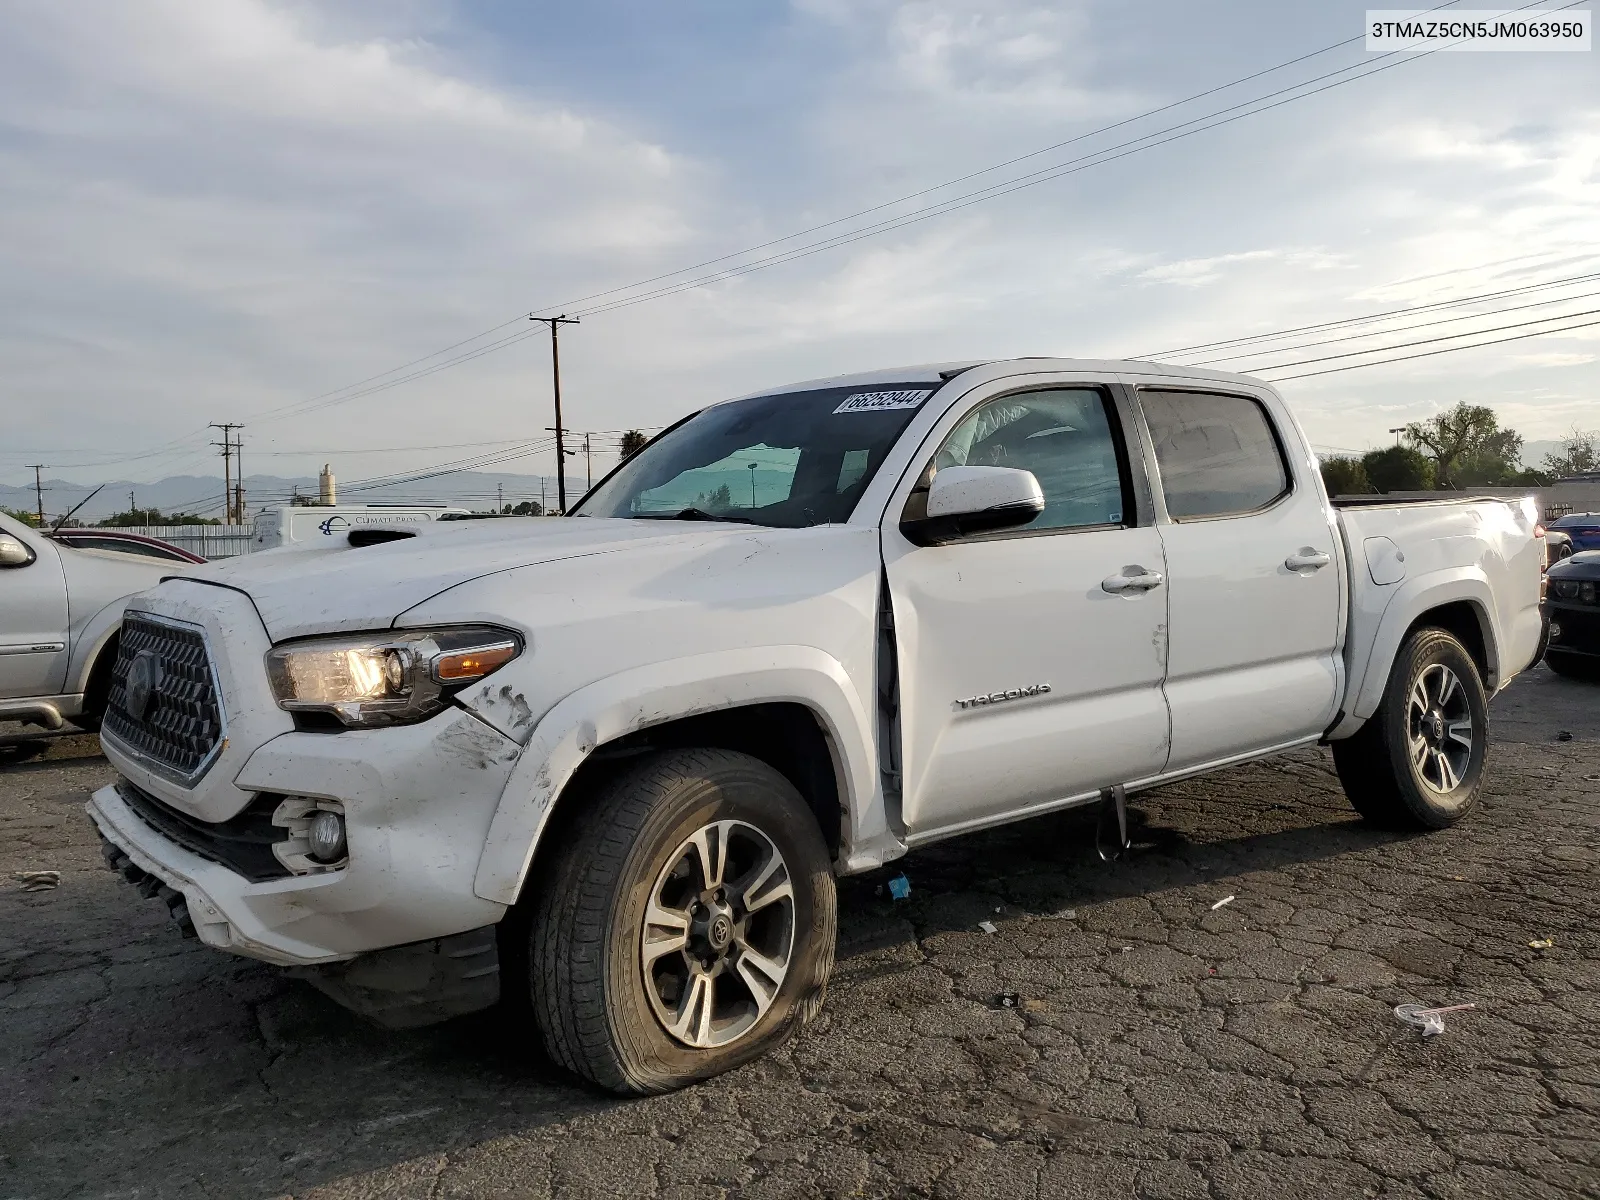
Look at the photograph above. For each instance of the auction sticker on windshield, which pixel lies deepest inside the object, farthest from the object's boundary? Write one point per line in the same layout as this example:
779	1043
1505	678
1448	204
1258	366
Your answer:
880	401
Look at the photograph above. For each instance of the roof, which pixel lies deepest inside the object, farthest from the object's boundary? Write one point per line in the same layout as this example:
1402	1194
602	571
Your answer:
938	373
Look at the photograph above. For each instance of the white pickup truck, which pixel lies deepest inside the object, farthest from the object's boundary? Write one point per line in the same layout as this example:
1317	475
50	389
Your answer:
606	768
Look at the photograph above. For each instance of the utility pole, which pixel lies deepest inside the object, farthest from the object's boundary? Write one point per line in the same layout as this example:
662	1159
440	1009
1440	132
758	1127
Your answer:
542	511
131	509
500	491
227	466
555	324
588	465
238	487
38	490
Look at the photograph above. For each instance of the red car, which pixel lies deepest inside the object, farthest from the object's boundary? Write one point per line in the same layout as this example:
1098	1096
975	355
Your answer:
123	543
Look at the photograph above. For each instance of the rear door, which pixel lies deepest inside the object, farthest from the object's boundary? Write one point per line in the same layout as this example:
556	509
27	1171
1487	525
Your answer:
1026	678
1255	592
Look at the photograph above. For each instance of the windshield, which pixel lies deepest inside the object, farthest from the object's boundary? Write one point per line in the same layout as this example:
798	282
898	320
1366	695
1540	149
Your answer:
795	459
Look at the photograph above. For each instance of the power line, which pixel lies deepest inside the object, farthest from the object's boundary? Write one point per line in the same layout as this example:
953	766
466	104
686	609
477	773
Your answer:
1448	337
1072	166
381	381
1356	337
1416	308
1430	353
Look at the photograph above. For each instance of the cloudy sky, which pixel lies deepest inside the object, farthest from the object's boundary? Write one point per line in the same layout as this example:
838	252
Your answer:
236	210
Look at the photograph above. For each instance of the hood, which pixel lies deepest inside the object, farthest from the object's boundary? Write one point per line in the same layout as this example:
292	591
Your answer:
1583	565
304	592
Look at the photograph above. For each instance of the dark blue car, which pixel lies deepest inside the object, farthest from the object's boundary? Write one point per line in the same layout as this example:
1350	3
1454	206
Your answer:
1572	602
1582	528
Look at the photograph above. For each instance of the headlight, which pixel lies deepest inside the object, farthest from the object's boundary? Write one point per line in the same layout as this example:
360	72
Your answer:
386	678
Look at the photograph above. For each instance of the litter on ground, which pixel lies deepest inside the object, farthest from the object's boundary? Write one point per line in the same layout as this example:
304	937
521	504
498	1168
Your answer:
1224	900
1542	943
1429	1020
988	927
38	881
900	887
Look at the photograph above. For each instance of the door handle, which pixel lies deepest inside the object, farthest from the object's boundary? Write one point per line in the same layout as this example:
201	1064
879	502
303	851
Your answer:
1132	579
1307	558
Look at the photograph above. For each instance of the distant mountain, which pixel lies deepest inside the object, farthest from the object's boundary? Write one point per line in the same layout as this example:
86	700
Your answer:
202	494
1533	452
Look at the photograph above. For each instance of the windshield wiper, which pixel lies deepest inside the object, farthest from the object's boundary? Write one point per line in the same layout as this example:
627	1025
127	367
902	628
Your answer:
692	514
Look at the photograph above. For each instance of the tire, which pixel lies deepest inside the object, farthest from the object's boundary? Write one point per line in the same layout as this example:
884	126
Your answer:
1417	765
1573	666
643	839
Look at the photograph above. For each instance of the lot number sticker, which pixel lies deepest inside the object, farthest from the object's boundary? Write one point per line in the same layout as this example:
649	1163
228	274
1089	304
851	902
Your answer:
881	401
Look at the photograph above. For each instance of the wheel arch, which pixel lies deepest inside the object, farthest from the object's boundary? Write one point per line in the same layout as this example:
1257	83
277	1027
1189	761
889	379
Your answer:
1462	605
783	705
95	649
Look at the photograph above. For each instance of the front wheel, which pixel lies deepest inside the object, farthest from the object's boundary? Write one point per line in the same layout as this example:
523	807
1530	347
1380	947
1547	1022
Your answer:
687	925
1418	762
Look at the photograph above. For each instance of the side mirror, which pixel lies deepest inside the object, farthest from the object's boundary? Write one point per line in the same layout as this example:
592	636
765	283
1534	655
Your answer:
14	553
966	500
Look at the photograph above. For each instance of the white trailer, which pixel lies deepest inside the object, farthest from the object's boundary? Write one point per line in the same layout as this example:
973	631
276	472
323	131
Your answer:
310	526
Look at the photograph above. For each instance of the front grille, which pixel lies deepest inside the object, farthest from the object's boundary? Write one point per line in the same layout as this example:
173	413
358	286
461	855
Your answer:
242	844
178	725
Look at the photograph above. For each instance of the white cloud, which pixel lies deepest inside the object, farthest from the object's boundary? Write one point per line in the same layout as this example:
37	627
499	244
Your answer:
208	210
219	194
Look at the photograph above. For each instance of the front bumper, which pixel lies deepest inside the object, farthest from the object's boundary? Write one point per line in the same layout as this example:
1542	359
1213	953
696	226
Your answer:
1575	629
417	801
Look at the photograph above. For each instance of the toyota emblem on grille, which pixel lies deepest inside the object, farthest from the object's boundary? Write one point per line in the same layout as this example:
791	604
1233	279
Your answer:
144	678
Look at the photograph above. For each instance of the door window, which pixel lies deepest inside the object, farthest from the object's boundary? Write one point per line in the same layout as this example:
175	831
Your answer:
1063	435
1218	454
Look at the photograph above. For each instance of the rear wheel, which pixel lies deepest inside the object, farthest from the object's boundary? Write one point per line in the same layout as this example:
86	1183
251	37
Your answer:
687	926
1418	762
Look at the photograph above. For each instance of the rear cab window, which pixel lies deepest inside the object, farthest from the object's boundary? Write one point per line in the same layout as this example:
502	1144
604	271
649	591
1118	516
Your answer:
1218	454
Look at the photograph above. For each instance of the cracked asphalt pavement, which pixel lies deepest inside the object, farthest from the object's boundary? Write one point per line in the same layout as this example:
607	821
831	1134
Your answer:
1158	1047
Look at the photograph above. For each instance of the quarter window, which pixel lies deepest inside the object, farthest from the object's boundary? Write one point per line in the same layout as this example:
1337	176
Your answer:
1062	435
1218	455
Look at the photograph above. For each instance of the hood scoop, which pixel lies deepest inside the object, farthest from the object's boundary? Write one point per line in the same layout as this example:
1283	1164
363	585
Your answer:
376	537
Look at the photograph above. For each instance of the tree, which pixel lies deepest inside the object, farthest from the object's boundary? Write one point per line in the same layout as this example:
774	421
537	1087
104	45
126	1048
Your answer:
1398	469
1580	453
632	442
720	500
154	516
528	508
1343	475
27	518
1468	446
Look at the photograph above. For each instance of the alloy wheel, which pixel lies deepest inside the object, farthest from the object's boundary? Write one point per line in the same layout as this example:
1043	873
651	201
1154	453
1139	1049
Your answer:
719	932
1439	728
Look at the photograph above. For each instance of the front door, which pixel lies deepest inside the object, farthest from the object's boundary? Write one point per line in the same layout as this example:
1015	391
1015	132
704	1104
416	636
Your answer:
1031	660
33	624
1254	581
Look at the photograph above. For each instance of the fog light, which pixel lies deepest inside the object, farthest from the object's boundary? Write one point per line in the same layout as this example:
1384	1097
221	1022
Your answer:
327	837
